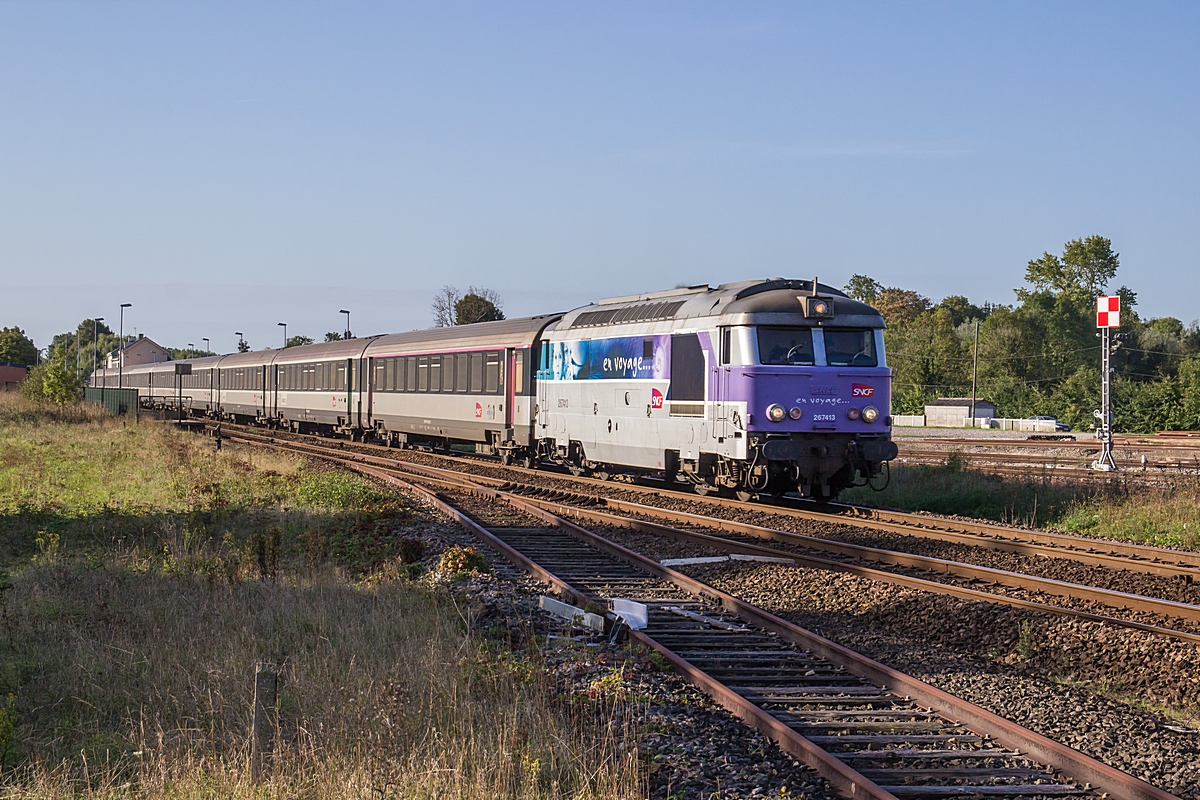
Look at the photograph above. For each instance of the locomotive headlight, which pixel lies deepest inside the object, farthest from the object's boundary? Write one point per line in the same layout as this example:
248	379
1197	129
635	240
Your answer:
852	413
796	412
776	413
870	413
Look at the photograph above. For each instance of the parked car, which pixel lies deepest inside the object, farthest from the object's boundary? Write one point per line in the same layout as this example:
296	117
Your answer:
1058	426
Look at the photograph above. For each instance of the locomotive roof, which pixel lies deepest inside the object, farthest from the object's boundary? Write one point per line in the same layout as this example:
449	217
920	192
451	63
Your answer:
518	332
775	301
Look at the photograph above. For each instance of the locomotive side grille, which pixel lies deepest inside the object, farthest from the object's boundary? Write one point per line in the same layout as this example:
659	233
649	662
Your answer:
642	313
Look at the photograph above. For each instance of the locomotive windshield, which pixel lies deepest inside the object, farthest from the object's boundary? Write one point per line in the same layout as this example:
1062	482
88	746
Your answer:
790	346
850	348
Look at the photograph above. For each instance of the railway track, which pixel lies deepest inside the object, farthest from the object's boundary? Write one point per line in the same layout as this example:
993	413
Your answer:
992	536
871	731
964	580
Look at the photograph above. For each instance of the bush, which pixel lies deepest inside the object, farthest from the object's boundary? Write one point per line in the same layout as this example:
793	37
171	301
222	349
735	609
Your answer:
462	559
52	382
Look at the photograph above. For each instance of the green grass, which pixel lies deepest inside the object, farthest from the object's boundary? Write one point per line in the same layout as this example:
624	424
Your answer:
146	574
1132	511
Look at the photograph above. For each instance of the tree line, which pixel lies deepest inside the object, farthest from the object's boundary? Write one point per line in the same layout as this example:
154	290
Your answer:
1041	354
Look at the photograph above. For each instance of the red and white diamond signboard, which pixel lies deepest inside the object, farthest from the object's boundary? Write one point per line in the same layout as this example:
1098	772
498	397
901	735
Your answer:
1108	312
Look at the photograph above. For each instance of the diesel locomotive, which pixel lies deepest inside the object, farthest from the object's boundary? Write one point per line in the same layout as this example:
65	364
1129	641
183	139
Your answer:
756	387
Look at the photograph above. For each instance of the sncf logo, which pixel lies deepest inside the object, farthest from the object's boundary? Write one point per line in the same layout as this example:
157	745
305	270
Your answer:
656	398
478	411
862	390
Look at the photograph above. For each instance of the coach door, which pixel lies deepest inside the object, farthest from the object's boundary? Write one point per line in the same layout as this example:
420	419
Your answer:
510	389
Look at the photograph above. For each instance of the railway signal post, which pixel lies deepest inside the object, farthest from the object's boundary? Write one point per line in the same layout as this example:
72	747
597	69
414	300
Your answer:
1108	316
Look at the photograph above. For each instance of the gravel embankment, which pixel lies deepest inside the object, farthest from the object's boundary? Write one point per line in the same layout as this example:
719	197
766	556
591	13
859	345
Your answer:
689	747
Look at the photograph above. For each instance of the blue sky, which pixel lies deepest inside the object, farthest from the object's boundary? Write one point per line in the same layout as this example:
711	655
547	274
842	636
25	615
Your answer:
228	166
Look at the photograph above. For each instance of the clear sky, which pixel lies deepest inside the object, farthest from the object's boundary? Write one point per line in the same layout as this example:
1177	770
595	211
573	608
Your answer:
227	166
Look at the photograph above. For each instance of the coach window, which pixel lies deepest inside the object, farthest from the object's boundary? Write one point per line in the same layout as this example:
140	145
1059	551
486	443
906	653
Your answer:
435	373
476	373
461	368
339	382
725	345
491	373
422	373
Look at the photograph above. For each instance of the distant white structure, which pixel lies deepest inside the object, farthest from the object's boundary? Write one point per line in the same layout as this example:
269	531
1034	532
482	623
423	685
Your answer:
142	350
949	412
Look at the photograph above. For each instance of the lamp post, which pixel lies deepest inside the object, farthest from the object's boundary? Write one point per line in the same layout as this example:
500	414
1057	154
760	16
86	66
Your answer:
121	349
284	326
207	344
240	339
95	343
347	334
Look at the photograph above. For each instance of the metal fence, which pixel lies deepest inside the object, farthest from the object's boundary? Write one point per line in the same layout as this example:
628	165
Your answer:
115	401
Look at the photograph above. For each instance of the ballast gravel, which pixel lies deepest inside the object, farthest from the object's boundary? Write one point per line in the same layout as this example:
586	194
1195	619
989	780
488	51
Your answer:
689	748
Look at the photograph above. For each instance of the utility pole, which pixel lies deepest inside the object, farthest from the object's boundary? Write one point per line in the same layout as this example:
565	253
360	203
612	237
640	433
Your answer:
95	342
975	374
1108	316
121	349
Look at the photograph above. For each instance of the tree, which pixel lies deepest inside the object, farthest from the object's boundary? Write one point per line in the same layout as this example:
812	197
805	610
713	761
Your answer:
477	305
863	288
16	347
297	341
444	303
900	306
243	346
961	309
1082	272
333	336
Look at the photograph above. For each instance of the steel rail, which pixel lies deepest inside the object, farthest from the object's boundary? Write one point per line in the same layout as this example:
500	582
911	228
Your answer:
1108	597
1077	765
1169	608
1098	552
852	569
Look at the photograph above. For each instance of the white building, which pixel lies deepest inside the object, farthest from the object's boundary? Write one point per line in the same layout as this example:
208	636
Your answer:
949	412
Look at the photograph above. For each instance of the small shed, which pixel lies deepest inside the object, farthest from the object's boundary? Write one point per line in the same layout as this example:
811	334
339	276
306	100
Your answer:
949	412
11	374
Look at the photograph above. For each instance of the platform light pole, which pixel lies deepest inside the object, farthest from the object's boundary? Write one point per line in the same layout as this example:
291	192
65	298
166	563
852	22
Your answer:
347	335
207	344
240	336
121	349
284	324
95	342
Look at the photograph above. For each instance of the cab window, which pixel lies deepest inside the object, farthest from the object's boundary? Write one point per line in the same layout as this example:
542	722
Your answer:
850	348
786	346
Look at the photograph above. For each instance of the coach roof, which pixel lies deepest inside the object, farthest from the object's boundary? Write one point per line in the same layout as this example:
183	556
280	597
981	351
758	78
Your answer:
519	332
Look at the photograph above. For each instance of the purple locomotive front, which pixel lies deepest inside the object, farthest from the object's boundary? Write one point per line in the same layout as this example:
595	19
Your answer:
757	387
